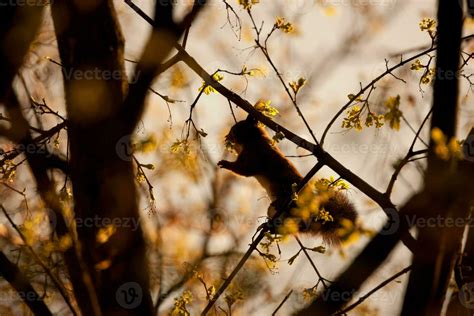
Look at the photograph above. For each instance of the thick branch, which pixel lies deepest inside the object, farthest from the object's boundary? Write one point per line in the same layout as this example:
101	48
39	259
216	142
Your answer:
46	189
444	182
323	157
18	27
374	254
20	283
375	289
162	40
38	260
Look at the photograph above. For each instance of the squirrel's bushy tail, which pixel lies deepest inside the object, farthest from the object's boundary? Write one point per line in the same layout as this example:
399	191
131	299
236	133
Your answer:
343	221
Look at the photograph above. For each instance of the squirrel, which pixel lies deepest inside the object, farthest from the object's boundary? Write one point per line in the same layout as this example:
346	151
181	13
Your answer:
258	157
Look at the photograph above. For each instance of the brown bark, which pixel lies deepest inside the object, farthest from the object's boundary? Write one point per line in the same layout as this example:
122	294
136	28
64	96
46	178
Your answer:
19	27
21	284
91	50
444	180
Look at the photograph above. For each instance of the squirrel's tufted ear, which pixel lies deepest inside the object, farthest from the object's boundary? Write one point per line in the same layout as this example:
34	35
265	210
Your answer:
251	119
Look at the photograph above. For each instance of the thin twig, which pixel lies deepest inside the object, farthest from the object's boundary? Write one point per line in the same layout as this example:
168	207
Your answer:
411	153
287	296
375	289
323	280
265	52
56	282
255	243
379	77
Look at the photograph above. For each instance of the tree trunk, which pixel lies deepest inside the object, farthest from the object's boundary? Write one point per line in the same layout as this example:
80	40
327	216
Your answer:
432	267
91	49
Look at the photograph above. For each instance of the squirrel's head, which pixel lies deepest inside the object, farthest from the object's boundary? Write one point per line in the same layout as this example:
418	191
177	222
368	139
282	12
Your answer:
245	131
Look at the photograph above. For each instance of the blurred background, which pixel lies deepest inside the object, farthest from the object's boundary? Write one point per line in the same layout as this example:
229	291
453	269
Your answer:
198	220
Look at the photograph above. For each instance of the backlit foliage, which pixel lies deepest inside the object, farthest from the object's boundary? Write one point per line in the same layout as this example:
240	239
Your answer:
247	4
297	85
205	218
428	72
354	115
393	113
428	25
285	26
181	303
444	149
265	107
207	89
8	170
185	157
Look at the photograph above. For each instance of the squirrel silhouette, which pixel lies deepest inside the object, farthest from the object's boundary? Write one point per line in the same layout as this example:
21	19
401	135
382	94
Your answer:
258	157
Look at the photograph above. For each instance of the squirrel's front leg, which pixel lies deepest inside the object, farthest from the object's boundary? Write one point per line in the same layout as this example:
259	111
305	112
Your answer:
225	164
237	167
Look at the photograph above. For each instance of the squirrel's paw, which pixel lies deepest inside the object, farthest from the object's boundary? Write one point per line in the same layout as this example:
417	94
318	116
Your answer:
223	164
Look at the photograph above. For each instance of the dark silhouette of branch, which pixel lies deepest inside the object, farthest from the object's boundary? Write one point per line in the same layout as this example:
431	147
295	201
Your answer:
313	265
444	183
46	188
38	260
380	198
165	35
388	71
411	153
45	135
20	283
264	49
350	280
375	289
287	296
256	242
51	161
26	19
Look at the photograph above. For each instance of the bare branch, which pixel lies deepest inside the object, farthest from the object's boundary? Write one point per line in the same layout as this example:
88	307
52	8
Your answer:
385	73
287	296
20	283
375	289
53	278
164	36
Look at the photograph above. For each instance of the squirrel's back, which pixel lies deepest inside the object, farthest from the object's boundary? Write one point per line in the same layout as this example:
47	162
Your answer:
260	158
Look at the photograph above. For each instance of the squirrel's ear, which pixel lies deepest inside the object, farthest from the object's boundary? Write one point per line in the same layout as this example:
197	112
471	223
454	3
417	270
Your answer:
251	119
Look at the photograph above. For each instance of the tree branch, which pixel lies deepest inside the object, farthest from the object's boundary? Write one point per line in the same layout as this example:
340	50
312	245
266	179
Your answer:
444	179
162	40
375	289
20	283
46	188
53	278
